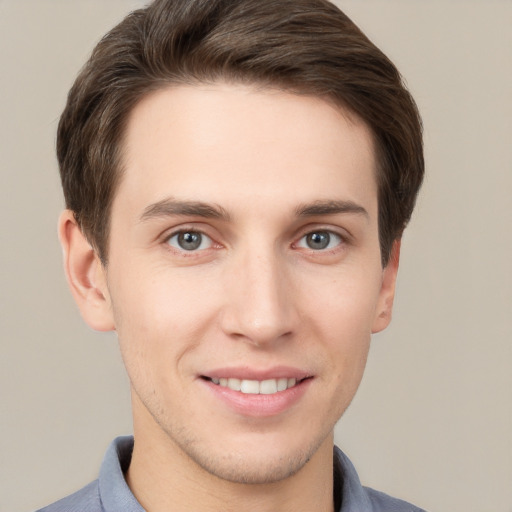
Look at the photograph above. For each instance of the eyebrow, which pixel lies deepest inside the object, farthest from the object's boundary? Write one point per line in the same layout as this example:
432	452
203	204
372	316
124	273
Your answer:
169	207
330	207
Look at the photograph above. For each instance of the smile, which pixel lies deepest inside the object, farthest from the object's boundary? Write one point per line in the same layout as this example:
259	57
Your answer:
258	393
256	387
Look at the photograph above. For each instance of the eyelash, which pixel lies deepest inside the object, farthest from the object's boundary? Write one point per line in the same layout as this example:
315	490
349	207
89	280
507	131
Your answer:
340	240
183	232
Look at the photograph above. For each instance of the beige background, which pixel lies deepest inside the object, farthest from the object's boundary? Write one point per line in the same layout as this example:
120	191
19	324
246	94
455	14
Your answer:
432	422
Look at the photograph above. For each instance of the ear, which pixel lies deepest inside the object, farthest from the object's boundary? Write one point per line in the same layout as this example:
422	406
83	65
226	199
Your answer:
384	308
85	274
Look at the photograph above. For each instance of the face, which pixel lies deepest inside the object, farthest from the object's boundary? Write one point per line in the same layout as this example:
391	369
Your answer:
244	274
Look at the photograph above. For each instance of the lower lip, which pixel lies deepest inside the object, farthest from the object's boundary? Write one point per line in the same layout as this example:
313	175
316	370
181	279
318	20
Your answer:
254	405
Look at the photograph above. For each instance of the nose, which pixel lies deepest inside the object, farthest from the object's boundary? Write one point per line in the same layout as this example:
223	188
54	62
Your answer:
259	304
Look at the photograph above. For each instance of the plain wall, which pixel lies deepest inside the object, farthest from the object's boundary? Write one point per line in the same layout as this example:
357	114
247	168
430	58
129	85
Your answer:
432	422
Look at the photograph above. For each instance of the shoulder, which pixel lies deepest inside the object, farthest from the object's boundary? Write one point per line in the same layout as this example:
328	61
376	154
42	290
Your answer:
109	491
356	497
382	502
86	499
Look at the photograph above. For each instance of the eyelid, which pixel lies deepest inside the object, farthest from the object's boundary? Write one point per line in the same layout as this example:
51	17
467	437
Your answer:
339	240
205	239
188	228
339	231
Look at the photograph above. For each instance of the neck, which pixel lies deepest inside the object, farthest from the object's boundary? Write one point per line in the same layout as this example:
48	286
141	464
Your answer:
162	477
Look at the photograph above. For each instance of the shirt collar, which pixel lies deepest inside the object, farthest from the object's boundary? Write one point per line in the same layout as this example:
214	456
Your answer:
353	496
115	494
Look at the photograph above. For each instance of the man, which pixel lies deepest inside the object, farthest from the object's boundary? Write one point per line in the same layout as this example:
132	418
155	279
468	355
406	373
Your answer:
237	175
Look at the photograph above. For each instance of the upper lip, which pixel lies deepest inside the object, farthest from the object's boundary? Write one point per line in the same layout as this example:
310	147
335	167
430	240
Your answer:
248	373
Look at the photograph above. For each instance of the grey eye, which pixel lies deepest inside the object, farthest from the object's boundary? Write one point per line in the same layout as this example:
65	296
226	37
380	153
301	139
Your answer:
190	241
320	240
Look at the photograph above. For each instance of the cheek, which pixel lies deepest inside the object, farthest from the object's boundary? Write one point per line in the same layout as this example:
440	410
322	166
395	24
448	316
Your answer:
346	304
159	319
342	313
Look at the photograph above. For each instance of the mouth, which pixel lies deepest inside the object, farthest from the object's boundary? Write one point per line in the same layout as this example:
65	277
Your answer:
257	393
256	387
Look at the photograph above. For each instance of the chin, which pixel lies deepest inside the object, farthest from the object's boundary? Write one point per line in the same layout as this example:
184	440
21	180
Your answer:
260	458
251	468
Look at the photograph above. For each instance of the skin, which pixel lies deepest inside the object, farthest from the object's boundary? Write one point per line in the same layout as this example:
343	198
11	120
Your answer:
255	295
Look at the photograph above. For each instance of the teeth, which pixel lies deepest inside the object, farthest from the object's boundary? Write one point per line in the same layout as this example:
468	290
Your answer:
255	387
251	387
282	384
268	387
234	384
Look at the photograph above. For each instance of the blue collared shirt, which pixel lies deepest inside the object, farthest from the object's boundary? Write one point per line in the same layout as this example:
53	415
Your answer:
110	492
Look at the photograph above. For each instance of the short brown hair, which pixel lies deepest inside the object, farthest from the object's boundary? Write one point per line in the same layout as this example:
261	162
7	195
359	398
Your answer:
302	46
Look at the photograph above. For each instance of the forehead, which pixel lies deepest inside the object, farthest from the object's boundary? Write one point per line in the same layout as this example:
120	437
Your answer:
232	144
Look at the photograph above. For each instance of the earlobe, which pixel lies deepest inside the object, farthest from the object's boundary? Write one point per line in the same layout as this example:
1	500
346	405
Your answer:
384	309
85	274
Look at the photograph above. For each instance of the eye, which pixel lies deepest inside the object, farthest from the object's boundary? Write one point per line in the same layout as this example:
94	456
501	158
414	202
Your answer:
190	241
320	240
